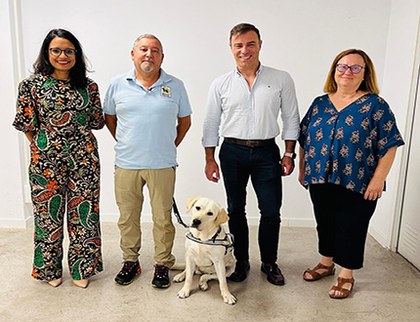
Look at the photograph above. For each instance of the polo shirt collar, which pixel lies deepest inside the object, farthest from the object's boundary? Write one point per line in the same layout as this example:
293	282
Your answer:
163	77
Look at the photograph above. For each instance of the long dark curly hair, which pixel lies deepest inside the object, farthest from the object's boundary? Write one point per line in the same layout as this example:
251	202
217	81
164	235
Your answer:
42	65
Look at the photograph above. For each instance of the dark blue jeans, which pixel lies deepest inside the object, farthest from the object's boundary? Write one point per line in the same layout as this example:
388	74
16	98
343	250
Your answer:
238	164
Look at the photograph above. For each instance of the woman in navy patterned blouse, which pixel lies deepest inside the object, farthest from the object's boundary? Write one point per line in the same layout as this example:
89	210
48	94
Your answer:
348	141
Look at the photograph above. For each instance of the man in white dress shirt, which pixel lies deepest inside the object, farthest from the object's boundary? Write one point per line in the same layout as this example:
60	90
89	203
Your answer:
243	108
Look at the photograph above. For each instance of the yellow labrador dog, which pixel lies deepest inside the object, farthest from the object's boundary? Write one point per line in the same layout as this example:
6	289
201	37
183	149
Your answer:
208	248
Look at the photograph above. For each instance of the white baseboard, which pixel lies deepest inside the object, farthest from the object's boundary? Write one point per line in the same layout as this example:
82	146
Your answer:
379	238
16	223
147	218
286	222
113	217
298	222
109	217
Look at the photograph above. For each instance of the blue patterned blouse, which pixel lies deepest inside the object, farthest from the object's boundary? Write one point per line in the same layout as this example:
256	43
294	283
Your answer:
343	147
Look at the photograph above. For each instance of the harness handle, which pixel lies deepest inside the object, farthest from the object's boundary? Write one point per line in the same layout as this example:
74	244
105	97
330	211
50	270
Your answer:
177	214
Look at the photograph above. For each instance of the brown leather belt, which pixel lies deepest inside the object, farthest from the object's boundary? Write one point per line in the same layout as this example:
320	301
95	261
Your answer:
249	143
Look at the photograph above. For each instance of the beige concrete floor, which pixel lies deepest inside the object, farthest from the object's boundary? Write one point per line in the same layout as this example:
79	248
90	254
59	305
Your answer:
386	289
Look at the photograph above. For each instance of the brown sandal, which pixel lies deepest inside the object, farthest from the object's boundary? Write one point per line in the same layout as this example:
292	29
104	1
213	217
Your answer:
330	270
339	288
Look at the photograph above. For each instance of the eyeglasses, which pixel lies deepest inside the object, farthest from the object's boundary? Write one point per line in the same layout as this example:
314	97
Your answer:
355	69
69	52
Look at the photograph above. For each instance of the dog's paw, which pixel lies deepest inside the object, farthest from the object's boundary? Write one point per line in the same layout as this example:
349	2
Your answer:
204	286
178	278
228	298
183	293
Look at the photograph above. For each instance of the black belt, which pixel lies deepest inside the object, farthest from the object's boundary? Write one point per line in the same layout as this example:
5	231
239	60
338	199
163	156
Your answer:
249	143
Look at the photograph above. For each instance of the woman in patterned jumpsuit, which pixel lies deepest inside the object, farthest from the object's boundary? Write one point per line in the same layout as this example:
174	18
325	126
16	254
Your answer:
57	107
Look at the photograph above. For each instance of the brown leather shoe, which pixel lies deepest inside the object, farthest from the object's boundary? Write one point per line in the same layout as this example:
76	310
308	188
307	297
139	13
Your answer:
274	275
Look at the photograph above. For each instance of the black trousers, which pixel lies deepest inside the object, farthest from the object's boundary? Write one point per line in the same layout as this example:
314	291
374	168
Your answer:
261	164
342	218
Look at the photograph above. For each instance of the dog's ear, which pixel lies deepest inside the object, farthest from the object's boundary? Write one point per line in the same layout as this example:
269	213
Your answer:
191	202
222	217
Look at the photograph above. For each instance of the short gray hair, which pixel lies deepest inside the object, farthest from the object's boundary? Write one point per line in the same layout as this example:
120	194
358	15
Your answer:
147	36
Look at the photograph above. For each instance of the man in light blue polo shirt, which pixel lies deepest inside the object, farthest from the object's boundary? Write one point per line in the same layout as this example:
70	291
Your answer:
148	113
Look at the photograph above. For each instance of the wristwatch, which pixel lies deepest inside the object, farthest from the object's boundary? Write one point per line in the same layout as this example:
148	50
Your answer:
290	155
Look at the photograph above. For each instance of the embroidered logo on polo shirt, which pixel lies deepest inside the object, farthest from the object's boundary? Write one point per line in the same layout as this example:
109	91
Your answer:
165	91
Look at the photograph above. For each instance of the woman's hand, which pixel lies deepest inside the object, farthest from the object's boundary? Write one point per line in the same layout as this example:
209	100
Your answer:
377	183
300	176
301	166
374	189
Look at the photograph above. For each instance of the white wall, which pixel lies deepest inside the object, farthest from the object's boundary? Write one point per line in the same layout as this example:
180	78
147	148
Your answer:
301	37
397	88
14	211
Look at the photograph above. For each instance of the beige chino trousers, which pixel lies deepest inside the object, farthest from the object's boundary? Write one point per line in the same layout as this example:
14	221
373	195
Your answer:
129	196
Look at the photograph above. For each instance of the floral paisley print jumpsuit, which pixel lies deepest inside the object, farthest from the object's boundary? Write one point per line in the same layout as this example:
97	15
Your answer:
64	173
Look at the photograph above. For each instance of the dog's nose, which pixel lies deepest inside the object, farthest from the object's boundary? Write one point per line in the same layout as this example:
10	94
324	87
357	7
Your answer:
196	223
